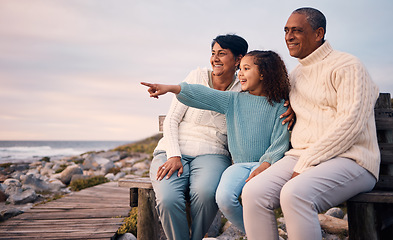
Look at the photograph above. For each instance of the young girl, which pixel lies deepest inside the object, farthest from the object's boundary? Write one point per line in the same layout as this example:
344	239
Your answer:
256	136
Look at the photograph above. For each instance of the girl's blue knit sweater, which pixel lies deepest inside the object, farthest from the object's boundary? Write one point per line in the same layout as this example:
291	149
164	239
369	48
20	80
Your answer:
255	130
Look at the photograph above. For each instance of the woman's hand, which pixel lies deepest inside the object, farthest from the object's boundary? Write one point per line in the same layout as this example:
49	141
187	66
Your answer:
295	174
156	90
289	114
169	167
257	171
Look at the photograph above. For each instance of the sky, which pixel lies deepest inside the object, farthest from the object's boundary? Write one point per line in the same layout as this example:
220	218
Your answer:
70	69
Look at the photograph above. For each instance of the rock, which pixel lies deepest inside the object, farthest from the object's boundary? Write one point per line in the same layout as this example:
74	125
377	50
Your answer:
36	164
106	167
127	236
119	164
33	171
17	175
26	196
35	183
47	169
110	176
89	173
13	186
119	175
9	213
126	170
56	166
20	167
66	174
131	160
226	226
231	233
214	229
335	212
12	181
111	155
282	233
141	166
92	161
332	224
330	237
56	185
3	196
3	176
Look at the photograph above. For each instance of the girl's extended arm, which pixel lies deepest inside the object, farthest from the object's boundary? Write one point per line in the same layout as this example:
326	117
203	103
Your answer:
156	90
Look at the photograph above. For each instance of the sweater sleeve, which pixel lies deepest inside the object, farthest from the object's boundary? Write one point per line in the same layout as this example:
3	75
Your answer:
356	96
202	97
279	140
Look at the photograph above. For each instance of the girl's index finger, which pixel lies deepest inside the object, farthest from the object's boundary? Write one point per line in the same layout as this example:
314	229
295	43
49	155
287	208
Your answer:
146	84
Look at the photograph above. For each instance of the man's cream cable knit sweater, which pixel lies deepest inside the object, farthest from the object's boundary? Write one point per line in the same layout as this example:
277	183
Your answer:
333	97
191	131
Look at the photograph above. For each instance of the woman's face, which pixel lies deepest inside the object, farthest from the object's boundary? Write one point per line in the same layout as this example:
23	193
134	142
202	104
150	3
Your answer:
223	61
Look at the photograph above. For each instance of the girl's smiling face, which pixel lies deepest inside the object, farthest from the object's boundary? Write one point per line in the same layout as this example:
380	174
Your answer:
250	77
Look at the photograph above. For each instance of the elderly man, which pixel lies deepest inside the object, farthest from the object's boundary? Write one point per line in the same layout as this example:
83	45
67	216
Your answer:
335	153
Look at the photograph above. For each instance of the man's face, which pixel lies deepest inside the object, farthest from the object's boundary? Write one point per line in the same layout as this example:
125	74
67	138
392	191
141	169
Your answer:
300	38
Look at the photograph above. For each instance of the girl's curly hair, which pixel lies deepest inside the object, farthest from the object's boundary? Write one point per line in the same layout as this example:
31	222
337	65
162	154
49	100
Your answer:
275	76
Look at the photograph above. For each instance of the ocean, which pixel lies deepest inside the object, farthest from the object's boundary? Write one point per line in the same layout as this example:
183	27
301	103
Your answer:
28	151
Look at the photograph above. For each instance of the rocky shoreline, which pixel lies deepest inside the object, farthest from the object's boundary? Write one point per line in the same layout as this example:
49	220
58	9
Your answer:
22	185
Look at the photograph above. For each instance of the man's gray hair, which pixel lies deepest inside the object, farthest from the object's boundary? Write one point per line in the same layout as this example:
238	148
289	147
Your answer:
314	17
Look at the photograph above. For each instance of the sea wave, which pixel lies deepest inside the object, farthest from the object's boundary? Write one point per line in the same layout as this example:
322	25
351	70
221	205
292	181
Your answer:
14	151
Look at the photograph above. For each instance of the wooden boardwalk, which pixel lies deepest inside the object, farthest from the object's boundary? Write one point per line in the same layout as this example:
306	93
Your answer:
92	213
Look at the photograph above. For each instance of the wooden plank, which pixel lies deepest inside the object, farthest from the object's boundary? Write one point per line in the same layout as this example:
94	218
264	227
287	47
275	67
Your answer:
375	196
384	123
87	213
143	183
90	221
94	213
23	236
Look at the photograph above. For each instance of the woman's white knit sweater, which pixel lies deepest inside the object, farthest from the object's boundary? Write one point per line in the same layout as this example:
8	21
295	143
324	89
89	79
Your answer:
190	131
333	97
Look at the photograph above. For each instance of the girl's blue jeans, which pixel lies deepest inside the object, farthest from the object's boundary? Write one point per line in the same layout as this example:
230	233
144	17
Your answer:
230	189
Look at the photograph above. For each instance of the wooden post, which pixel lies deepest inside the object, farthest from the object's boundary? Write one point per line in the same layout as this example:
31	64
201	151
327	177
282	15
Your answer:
363	226
133	197
147	215
161	119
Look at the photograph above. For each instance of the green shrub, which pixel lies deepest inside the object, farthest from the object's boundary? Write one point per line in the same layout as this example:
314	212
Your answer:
45	159
79	184
114	170
5	165
129	223
144	146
